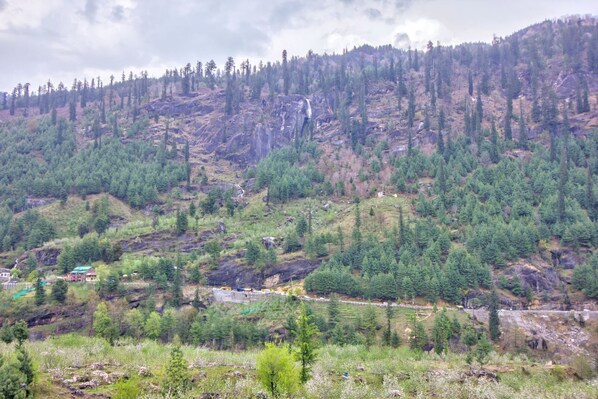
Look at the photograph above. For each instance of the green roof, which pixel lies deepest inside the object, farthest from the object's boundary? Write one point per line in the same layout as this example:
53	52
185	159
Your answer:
80	269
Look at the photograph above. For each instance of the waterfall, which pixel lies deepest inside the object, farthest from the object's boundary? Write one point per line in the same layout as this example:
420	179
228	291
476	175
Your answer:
308	110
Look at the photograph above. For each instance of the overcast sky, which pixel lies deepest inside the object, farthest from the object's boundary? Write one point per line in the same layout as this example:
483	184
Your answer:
64	39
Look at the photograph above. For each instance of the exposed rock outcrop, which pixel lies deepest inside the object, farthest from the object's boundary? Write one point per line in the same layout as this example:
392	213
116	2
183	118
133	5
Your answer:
231	274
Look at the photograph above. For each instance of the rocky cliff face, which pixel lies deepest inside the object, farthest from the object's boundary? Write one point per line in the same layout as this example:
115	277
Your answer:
249	136
245	137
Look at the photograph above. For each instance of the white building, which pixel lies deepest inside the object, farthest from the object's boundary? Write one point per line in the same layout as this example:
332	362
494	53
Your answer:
4	275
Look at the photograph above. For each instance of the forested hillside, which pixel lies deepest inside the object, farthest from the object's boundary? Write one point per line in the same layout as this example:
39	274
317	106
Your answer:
489	150
417	175
461	176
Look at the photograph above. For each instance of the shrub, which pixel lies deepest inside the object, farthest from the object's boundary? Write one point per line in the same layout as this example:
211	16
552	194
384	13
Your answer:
276	370
127	389
582	367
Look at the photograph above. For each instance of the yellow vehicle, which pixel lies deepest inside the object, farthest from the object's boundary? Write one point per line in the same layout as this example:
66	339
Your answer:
226	288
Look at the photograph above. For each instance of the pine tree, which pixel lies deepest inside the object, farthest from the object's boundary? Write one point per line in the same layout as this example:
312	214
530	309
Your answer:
509	115
395	341
31	263
470	335
229	70
578	100
253	253
494	157
441	177
590	194
6	335
182	223
20	332
441	332
419	338
195	276
301	226
493	320
440	143
25	365
357	228
12	381
407	288
553	144
285	73
186	151
563	175
177	290
177	381
13	101
411	108
370	325
40	292
388	332
59	291
305	339
333	312
522	129
455	327
470	83
72	111
441	120
483	349
479	107
585	100
196	303
402	237
340	239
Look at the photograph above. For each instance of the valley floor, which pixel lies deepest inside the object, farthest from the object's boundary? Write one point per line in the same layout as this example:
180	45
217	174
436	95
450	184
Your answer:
76	366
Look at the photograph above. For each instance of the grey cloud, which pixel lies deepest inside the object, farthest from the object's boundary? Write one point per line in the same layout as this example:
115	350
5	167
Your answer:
373	13
155	33
176	36
402	5
118	13
90	11
402	40
30	46
283	14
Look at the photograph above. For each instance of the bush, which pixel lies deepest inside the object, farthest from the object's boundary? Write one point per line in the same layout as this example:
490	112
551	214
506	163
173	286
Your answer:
127	389
253	253
582	367
276	370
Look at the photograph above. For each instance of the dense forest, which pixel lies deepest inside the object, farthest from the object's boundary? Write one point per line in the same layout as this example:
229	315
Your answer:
493	214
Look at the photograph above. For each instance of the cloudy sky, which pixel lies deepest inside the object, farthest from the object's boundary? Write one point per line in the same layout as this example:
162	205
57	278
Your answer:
64	39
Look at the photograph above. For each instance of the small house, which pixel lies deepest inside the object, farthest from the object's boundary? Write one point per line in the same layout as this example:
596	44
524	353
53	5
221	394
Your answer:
91	276
5	275
82	274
